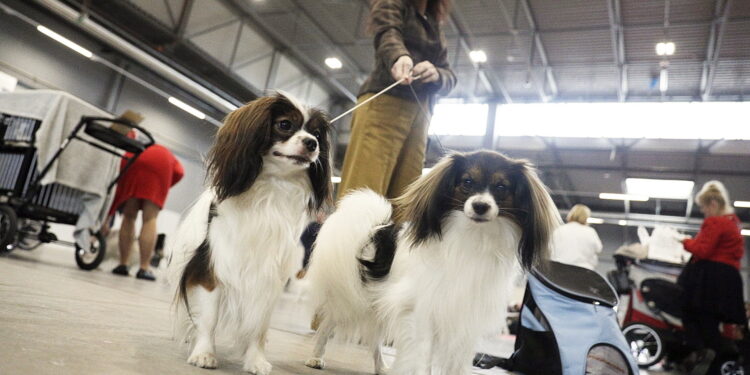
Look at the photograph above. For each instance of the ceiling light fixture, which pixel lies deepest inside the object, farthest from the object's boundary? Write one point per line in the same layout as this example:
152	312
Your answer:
336	179
187	108
334	63
623	197
665	48
595	220
63	40
478	56
622	222
745	232
743	204
657	188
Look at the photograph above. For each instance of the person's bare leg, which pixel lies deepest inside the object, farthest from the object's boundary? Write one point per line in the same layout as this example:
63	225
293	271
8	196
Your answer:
127	229
147	240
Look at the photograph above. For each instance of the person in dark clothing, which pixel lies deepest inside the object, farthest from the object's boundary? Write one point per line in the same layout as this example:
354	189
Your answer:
388	141
711	281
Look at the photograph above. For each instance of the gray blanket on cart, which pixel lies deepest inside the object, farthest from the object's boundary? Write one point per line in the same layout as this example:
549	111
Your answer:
81	166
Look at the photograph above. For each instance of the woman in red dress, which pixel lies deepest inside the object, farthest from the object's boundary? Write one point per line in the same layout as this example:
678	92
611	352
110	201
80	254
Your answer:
711	281
143	187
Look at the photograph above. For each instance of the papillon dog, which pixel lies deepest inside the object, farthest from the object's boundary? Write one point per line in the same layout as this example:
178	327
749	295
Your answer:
269	172
433	276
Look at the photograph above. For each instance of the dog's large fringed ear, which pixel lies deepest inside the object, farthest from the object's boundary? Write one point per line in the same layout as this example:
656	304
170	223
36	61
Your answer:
236	158
427	201
540	216
320	171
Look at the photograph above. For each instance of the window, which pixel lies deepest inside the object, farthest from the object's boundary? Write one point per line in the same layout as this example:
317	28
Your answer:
690	120
459	119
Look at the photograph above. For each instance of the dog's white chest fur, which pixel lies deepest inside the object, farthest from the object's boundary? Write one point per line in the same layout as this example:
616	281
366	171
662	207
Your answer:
255	235
467	273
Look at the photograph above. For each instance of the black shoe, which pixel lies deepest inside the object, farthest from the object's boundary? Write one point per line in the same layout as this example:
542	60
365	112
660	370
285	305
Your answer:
121	270
698	362
145	275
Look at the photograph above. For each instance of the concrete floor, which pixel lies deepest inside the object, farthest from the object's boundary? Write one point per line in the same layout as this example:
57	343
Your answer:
57	319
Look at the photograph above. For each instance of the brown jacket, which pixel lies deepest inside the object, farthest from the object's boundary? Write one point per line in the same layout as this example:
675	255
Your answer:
401	30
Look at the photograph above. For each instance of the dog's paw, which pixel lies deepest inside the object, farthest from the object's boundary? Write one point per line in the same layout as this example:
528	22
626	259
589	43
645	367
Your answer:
316	363
258	367
203	360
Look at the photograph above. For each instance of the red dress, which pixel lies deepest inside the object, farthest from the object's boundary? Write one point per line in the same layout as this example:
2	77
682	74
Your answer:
150	177
719	240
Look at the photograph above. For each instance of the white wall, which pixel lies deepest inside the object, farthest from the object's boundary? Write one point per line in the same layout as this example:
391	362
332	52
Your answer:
40	62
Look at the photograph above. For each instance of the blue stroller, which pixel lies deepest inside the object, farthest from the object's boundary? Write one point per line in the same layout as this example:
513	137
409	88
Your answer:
568	326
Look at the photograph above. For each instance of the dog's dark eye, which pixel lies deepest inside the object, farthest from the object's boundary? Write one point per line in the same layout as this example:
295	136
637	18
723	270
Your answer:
284	125
501	187
316	133
467	182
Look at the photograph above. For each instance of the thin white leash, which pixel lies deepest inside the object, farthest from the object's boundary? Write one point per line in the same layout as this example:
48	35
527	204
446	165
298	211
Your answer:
383	91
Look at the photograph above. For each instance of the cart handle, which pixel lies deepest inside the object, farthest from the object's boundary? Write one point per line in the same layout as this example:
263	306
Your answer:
127	123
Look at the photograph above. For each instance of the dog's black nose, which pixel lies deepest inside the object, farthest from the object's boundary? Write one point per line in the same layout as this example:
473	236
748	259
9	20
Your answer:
480	208
311	144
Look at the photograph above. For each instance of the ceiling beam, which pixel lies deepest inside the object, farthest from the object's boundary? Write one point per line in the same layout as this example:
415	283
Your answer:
350	63
485	75
283	46
716	35
182	21
632	169
540	50
559	172
646	220
572	29
618	47
696	169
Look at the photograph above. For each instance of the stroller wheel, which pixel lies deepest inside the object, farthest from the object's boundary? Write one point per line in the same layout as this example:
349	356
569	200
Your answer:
89	259
8	228
645	344
28	234
731	367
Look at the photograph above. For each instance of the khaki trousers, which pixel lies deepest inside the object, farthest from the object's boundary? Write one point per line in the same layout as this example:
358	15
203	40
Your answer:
387	146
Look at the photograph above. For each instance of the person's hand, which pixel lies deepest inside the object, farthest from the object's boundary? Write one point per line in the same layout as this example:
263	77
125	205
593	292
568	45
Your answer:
426	72
402	68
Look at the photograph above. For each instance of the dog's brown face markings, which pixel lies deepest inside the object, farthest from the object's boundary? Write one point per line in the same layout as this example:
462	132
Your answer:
514	185
492	173
249	133
286	122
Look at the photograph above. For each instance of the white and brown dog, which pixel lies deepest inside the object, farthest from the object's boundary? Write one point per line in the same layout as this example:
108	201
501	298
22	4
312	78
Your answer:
269	171
433	277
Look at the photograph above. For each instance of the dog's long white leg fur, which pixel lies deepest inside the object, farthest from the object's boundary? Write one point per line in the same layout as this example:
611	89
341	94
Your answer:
255	358
381	368
412	348
205	327
324	334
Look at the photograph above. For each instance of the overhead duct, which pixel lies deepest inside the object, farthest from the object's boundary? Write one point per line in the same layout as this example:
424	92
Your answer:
139	55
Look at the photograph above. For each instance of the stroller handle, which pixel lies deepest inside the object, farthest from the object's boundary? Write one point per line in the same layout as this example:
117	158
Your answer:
127	123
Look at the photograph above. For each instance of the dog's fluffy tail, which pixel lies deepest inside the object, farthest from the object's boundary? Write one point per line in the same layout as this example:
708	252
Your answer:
180	249
337	288
190	234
